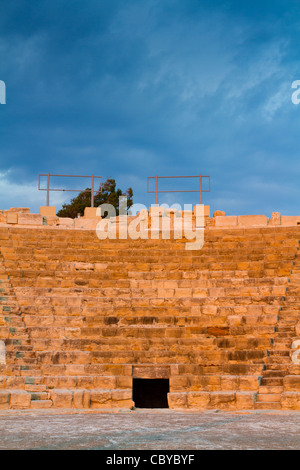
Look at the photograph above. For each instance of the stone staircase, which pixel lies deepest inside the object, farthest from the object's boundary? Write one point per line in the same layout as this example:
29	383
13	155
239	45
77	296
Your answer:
278	361
21	373
92	314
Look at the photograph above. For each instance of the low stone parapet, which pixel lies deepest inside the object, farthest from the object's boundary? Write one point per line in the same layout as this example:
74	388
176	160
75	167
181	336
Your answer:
227	400
148	220
67	399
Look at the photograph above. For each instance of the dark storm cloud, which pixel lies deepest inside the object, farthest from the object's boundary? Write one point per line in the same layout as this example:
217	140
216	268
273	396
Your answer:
131	89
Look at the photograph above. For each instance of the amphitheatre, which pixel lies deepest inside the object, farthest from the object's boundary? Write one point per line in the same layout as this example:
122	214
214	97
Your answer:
120	323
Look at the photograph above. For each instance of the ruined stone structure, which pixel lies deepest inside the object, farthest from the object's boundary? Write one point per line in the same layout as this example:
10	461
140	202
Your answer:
89	323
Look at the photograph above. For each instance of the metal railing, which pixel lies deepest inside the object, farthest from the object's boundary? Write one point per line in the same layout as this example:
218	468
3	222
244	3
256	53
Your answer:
48	189
200	190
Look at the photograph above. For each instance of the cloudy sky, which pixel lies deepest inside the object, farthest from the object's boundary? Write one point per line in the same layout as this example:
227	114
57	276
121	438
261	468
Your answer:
130	89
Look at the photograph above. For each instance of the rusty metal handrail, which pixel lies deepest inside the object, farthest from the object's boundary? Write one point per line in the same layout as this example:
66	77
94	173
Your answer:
48	189
200	190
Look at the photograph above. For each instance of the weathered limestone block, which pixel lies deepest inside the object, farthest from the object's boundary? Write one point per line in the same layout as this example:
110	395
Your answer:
100	266
66	222
275	219
179	383
84	266
41	404
10	217
248	383
219	213
48	211
30	219
88	224
151	372
252	220
226	221
290	401
52	220
120	382
223	400
198	400
4	399
177	400
81	399
290	220
105	382
210	221
61	398
122	399
101	398
229	382
65	382
245	400
293	369
19	399
291	383
85	382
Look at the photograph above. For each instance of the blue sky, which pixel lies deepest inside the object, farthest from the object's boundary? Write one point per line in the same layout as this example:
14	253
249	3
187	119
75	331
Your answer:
130	89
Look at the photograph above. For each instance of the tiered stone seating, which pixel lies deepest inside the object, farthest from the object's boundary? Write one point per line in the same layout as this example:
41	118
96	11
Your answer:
282	374
93	314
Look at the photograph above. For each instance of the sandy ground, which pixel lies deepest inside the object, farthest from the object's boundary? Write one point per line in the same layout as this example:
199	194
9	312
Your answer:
149	430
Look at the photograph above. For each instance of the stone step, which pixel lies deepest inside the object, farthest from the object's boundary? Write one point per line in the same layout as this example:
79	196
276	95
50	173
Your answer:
26	370
284	328
284	337
155	318
265	389
278	360
39	396
275	368
142	331
271	381
23	362
165	298
279	352
254	293
108	278
41	404
278	371
34	381
268	397
13	310
6	291
267	405
26	348
19	354
282	345
231	283
289	321
18	333
265	249
11	322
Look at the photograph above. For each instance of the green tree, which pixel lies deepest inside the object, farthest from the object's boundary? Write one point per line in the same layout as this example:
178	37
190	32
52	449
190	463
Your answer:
108	195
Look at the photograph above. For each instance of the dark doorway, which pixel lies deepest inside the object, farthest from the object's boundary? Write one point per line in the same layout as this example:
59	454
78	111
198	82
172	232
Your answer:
150	393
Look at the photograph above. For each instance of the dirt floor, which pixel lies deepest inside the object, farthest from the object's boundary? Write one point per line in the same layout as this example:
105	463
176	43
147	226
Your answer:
149	430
